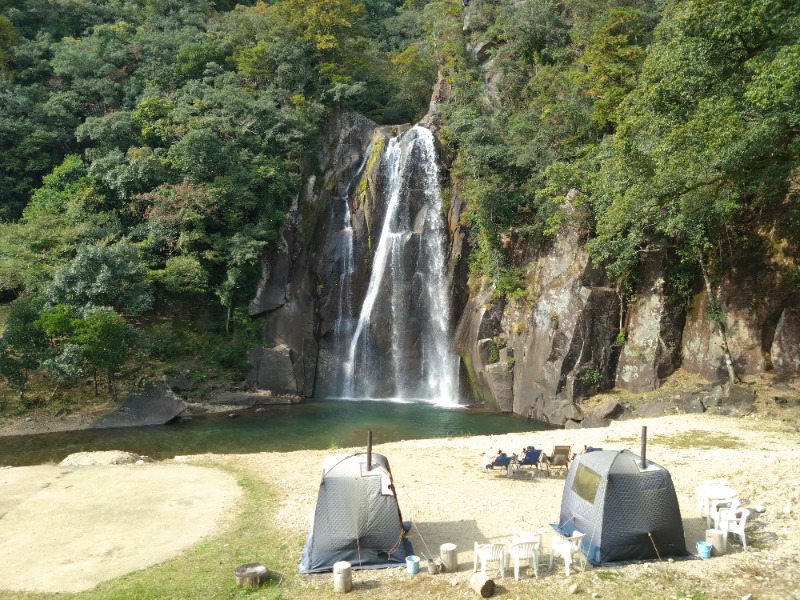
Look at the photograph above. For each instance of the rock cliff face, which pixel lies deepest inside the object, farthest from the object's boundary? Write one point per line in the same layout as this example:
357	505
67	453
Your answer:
652	347
551	352
539	358
292	293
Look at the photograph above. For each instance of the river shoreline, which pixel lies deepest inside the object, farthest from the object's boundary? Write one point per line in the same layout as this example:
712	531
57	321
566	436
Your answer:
775	398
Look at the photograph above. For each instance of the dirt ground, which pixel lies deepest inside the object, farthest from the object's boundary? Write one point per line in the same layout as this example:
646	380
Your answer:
97	522
66	529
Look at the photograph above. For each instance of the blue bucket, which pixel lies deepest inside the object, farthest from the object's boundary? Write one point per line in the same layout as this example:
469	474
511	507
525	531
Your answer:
704	549
412	564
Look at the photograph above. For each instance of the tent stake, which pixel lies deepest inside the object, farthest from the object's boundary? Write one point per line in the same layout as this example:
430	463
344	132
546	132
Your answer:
644	447
369	450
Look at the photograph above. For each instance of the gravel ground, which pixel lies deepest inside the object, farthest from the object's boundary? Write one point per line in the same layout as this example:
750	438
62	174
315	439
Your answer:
449	498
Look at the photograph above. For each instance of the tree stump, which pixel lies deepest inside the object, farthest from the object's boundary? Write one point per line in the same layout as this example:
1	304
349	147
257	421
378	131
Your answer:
251	575
447	553
715	537
342	577
482	584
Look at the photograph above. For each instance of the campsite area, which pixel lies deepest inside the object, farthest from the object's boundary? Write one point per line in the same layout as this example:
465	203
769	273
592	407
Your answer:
442	489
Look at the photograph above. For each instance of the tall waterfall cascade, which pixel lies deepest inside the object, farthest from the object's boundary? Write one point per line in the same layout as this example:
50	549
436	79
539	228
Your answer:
400	346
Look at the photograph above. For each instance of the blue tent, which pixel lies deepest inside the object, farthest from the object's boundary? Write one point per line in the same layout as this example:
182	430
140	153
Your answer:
627	512
357	518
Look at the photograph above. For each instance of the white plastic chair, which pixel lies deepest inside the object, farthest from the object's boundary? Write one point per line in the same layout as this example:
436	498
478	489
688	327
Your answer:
526	536
733	520
525	551
568	547
717	506
709	490
486	552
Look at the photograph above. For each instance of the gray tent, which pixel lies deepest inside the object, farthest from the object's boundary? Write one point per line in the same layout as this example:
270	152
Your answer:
357	518
626	512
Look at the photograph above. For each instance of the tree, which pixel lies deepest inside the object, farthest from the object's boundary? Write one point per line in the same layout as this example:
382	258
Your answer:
105	341
23	342
611	61
198	156
103	276
67	364
8	36
701	155
31	251
67	188
183	275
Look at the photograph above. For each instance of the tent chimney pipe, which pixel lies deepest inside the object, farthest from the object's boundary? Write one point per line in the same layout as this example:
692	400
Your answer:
644	447
369	450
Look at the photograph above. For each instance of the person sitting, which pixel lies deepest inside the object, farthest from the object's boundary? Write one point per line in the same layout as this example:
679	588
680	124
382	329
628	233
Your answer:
587	449
486	460
500	459
489	460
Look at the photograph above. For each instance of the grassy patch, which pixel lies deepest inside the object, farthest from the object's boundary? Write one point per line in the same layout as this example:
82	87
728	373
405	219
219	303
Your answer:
687	440
626	441
698	439
609	575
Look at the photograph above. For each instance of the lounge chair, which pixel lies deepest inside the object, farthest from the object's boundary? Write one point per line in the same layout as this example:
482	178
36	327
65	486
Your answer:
500	460
530	459
559	459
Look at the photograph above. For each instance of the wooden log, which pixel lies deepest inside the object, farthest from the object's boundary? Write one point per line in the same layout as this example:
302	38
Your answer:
342	577
716	538
447	552
251	574
482	584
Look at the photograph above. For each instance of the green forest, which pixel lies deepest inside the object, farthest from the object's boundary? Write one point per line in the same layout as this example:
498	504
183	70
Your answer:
151	148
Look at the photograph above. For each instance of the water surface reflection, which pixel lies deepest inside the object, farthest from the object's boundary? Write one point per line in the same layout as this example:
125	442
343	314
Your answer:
316	424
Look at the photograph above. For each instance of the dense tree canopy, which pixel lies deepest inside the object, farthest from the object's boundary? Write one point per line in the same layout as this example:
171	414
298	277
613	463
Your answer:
150	148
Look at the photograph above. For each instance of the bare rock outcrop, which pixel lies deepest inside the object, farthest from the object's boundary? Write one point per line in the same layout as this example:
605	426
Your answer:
760	314
156	404
104	457
559	350
652	348
287	361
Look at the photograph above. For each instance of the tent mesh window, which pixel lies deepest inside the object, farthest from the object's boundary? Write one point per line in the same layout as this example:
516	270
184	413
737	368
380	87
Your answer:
586	483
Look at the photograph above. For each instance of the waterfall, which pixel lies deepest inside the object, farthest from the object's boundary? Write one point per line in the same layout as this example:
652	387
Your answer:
401	344
344	306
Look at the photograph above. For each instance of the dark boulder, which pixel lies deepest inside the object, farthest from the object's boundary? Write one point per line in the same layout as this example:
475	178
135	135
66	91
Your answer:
602	414
731	400
154	405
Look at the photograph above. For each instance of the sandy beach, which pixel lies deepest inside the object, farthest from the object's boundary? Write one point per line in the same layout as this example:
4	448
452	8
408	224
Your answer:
444	491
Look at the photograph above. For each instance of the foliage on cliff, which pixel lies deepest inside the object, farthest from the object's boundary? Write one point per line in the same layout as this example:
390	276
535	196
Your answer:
152	147
675	121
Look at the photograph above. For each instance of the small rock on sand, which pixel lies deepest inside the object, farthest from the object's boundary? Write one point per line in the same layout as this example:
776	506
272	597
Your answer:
108	457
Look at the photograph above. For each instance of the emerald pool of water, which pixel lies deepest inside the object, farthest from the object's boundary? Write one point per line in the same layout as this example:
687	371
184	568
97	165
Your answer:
315	425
